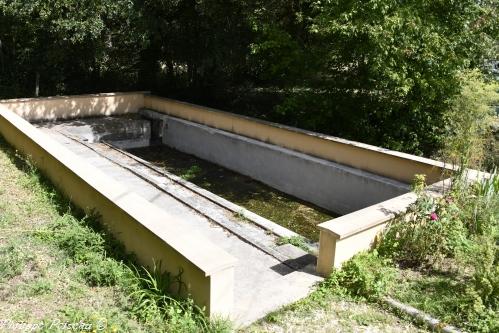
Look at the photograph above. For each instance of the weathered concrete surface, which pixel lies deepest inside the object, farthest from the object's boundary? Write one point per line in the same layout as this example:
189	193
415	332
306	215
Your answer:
124	132
330	185
245	214
255	272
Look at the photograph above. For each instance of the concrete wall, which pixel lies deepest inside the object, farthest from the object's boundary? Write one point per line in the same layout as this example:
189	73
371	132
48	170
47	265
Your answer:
340	238
327	184
380	161
343	237
146	230
68	107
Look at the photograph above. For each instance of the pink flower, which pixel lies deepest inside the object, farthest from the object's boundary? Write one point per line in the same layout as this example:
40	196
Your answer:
433	216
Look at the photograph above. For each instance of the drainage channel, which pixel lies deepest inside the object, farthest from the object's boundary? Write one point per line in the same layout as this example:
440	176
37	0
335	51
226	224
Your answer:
295	262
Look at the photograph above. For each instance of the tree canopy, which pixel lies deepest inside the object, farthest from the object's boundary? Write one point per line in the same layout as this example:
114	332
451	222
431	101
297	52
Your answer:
379	71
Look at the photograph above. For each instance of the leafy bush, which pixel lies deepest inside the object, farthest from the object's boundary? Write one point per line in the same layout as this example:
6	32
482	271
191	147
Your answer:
462	228
479	204
469	120
432	230
486	275
366	275
101	271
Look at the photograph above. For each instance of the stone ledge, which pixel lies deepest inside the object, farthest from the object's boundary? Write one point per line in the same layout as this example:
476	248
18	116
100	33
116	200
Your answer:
369	217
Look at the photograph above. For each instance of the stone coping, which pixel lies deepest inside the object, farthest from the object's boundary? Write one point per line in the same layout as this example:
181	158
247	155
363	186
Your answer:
369	217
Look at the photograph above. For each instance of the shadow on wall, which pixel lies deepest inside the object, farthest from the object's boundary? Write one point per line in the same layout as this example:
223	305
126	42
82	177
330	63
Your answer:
70	107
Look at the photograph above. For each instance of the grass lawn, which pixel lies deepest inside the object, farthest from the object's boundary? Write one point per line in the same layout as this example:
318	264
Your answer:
324	312
57	267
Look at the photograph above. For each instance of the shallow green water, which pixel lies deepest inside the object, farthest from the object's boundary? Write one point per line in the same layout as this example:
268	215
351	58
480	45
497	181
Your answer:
290	212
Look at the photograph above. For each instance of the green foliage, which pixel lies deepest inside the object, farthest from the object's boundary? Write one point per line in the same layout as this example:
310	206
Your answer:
12	260
457	235
73	46
297	241
469	120
431	231
478	203
485	280
150	289
396	64
101	271
389	67
366	275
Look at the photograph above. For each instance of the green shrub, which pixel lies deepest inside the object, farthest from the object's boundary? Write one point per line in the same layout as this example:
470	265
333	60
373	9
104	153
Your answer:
462	227
431	230
469	120
484	258
479	307
366	275
479	204
101	271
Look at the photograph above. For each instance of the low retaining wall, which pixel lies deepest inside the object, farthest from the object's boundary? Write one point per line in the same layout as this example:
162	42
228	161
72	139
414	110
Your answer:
69	107
345	236
146	230
384	162
338	188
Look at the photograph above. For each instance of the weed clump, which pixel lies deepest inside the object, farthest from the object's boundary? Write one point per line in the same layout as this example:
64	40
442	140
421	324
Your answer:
12	260
367	275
